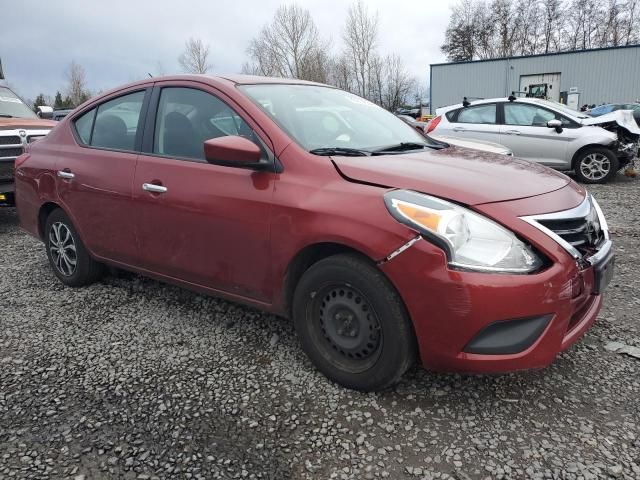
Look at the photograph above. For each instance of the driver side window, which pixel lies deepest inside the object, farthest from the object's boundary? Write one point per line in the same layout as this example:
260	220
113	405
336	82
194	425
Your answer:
187	117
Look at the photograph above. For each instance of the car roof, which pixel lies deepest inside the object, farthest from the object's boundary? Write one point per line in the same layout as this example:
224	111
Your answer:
529	100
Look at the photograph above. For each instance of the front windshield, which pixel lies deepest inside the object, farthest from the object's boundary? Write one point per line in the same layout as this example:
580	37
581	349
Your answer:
319	117
11	105
563	108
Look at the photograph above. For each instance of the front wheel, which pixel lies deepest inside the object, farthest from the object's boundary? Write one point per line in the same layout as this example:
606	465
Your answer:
352	323
596	165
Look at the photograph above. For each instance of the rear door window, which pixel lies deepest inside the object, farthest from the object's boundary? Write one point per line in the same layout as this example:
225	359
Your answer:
478	114
116	123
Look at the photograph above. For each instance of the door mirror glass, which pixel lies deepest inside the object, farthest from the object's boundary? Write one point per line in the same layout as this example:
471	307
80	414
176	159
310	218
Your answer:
554	124
232	150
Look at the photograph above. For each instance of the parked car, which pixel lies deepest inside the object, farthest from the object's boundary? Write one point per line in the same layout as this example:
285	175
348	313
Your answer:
613	107
313	203
423	127
59	114
19	126
547	132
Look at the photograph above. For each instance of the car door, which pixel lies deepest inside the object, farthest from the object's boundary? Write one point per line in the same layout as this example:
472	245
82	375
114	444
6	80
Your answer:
526	133
94	177
199	222
474	122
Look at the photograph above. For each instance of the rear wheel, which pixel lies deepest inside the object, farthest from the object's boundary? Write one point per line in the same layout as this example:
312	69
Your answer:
596	165
67	255
352	323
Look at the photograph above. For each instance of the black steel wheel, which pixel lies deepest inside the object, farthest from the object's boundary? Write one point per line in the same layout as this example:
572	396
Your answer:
353	324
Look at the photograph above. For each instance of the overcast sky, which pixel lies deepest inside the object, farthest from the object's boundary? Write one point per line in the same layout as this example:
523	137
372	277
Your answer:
118	41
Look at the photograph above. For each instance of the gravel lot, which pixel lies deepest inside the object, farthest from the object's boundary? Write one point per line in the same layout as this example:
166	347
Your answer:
131	378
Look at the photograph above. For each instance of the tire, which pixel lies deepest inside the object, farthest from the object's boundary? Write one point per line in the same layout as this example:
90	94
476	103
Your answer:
596	165
64	247
352	323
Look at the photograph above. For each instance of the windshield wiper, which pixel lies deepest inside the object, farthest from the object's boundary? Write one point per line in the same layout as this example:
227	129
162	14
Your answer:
405	147
340	151
6	115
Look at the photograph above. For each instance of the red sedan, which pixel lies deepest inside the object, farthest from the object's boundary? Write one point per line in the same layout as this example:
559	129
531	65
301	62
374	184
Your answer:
310	202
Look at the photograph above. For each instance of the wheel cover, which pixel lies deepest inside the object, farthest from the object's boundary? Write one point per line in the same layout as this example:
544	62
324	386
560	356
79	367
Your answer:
595	166
62	248
348	327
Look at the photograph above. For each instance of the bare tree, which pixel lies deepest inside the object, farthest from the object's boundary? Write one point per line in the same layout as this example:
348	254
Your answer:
289	46
360	37
195	58
553	20
76	89
397	85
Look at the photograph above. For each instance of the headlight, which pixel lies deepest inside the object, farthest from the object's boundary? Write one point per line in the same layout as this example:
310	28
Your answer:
471	241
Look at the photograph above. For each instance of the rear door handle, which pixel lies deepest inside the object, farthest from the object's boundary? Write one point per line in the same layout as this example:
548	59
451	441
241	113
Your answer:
512	132
152	187
459	129
66	173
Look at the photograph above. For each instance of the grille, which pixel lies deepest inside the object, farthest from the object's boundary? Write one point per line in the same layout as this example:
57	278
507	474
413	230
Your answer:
10	152
33	138
14	140
580	231
6	171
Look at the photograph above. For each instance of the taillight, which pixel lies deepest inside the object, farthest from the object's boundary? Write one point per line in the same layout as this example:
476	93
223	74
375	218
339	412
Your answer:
433	124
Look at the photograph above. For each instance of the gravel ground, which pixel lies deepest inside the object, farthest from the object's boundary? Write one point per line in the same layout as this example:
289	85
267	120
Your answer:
131	378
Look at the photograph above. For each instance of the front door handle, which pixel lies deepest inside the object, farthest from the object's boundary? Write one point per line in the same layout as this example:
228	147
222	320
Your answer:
66	173
152	187
512	132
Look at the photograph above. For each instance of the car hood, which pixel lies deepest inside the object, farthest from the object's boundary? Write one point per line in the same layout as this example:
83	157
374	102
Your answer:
624	118
466	176
26	123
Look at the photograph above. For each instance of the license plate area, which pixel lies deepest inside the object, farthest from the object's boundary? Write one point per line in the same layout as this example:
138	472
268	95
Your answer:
603	273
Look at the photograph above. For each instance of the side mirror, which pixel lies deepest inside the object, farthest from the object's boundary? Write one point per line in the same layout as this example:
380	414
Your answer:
557	124
45	112
232	150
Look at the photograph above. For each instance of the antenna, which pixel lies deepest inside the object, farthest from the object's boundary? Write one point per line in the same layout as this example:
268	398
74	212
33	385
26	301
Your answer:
1	73
465	102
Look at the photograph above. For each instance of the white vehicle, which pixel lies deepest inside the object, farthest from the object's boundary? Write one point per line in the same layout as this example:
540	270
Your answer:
546	132
481	145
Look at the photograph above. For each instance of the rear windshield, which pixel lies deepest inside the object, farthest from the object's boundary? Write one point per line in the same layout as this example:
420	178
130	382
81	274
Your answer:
12	107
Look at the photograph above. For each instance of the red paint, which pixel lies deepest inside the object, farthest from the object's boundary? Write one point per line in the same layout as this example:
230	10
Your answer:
231	149
234	232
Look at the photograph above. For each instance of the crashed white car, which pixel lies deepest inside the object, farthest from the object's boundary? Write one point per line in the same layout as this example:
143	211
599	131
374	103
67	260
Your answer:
546	132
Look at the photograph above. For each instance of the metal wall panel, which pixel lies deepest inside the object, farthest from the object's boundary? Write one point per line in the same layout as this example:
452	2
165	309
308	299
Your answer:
609	75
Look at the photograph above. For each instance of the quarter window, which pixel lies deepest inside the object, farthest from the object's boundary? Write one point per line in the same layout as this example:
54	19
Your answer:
529	115
478	114
188	117
84	124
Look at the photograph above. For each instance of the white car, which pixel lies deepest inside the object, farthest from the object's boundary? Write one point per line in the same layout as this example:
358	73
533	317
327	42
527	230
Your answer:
546	132
476	144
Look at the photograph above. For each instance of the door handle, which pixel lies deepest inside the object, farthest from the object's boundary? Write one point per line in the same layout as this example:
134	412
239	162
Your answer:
152	187
459	129
512	132
66	173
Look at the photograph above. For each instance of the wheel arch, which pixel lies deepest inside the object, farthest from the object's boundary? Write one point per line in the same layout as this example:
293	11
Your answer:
44	212
304	259
584	148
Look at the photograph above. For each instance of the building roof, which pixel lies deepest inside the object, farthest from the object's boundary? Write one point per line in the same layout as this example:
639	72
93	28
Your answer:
566	52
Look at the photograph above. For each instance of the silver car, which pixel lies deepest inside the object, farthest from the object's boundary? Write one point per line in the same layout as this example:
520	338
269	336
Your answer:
547	132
